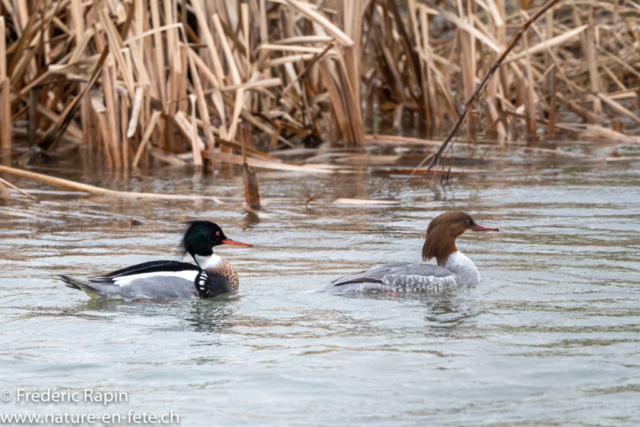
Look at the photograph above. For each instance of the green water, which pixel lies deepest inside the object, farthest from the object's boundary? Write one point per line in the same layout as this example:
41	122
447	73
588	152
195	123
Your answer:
550	337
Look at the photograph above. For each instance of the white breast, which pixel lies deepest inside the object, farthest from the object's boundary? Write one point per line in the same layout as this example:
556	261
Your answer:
464	268
207	262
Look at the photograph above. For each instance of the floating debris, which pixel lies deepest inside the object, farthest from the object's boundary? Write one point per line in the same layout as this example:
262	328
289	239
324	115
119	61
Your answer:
343	201
136	222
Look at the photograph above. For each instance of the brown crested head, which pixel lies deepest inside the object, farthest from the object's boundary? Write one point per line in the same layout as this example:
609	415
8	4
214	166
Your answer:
443	231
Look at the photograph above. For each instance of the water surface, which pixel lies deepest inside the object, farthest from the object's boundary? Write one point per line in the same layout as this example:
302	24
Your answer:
550	337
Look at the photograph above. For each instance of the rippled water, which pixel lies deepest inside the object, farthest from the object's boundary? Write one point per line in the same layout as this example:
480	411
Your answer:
551	335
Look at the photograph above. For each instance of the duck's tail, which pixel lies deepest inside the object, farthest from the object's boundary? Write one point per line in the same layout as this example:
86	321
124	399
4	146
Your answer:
81	286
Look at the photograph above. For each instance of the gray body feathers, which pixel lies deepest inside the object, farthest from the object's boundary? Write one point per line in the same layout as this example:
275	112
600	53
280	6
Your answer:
395	277
160	287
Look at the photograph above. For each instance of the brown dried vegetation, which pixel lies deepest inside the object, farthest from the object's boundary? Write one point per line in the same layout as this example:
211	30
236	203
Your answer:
176	81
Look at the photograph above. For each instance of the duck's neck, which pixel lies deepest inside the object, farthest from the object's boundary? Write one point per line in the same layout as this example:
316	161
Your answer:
207	262
221	275
461	265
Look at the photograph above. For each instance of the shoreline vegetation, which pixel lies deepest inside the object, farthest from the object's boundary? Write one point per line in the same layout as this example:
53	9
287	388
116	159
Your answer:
193	83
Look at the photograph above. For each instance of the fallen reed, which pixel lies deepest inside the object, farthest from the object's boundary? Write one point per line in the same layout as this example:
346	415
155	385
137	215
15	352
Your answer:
176	81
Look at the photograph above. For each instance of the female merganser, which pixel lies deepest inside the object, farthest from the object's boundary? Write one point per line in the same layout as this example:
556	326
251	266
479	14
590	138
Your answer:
209	277
453	269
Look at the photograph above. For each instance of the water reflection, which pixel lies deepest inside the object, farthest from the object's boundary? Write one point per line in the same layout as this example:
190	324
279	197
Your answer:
210	316
450	310
439	310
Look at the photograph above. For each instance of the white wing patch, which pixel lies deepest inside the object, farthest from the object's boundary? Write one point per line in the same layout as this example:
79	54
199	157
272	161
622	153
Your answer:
189	275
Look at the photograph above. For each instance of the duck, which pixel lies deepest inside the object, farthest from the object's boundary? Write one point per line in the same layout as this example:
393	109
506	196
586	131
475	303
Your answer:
209	277
454	268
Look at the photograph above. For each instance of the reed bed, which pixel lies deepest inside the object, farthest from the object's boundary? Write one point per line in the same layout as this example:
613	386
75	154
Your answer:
190	82
579	58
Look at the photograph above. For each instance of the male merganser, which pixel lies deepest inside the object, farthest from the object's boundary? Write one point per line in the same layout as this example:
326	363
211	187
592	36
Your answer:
453	269
209	277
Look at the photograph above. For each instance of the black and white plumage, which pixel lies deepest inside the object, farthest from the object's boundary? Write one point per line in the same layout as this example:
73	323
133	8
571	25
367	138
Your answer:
453	269
209	277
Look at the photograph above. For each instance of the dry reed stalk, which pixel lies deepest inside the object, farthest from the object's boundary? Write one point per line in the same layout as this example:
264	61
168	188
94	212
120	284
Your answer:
609	134
111	117
427	69
495	117
336	100
135	113
91	189
551	77
188	131
251	190
116	51
202	106
5	93
167	157
618	108
145	139
579	110
467	41
616	125
547	44
626	159
199	11
24	193
124	109
105	135
591	62
158	50
530	108
264	164
195	147
350	13
5	194
529	95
